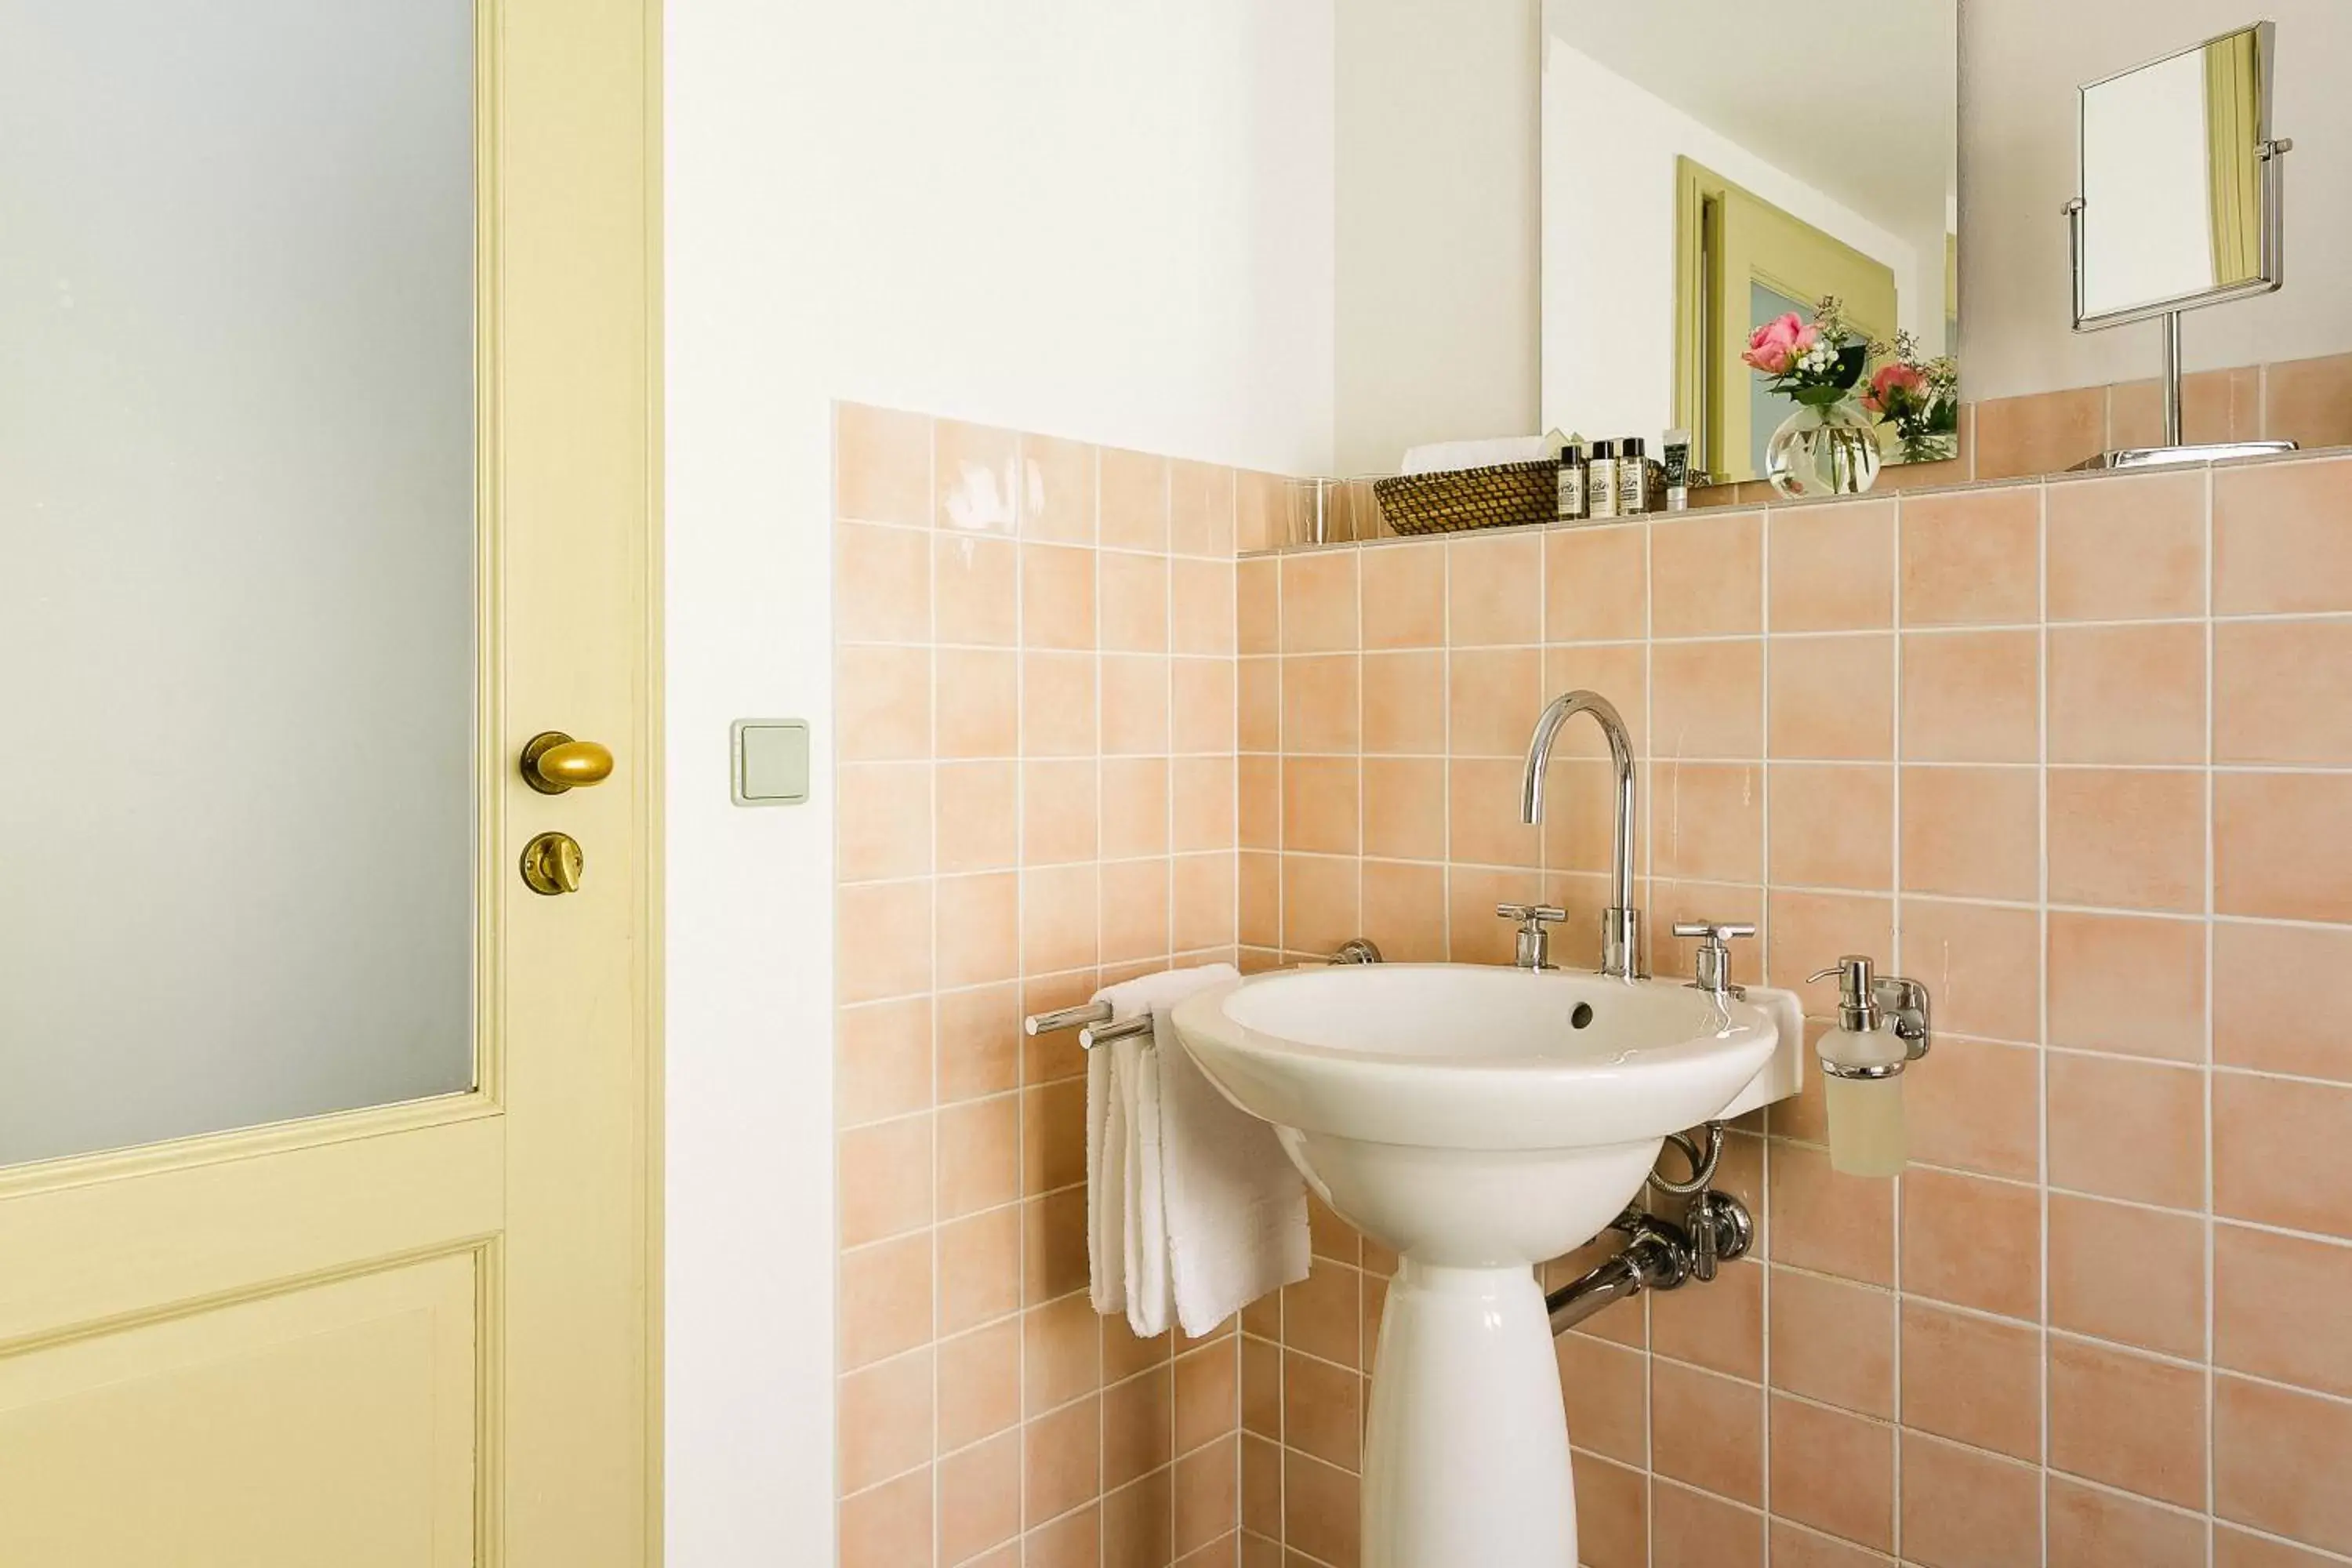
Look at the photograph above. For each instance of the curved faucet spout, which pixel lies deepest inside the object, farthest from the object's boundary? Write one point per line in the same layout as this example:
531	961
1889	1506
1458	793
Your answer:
1621	922
1560	712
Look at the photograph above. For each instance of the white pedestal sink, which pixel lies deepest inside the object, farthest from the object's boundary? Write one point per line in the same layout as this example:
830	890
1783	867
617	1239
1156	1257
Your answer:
1479	1121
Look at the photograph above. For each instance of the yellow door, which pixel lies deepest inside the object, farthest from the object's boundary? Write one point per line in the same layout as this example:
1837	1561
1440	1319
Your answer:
328	458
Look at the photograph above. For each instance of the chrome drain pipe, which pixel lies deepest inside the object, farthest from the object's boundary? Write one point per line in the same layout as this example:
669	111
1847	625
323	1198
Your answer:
1658	1254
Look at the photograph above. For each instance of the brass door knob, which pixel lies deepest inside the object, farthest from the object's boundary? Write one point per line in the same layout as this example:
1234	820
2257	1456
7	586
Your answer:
552	864
553	763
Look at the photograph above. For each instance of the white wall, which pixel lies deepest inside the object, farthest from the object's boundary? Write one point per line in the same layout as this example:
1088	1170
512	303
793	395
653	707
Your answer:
2021	62
1438	284
1609	242
1106	218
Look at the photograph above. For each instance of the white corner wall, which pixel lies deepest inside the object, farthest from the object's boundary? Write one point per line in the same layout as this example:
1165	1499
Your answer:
1107	218
1439	142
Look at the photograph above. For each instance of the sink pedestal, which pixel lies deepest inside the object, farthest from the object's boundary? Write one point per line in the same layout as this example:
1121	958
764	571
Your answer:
1465	1449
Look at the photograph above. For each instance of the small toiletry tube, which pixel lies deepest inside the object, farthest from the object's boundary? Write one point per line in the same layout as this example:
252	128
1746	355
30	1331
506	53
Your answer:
1600	481
1674	449
1632	478
1572	480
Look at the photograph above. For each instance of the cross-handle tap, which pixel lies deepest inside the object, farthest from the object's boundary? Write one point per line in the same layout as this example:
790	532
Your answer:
1535	942
1711	965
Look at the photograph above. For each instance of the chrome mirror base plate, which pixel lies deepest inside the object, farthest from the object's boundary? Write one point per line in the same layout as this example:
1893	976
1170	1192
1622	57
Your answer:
2164	456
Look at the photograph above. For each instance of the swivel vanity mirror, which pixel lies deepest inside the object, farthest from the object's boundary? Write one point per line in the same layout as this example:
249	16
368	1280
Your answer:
2178	208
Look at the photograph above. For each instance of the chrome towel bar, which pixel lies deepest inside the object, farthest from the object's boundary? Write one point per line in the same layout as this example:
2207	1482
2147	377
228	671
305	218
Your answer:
1092	1020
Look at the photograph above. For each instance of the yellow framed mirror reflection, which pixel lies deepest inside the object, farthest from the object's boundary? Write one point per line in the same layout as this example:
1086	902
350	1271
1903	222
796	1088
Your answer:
1738	260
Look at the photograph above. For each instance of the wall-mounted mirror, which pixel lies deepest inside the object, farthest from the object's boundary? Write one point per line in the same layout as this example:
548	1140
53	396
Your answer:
1713	167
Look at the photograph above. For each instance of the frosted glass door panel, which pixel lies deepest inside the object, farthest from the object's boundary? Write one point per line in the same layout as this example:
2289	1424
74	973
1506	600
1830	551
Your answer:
237	563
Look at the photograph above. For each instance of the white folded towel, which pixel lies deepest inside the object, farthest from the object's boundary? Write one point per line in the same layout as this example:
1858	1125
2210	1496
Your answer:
1193	1210
1439	457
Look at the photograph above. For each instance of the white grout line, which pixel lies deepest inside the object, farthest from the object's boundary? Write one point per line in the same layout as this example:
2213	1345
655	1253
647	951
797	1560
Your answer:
2212	1445
1764	936
1895	1198
2042	999
931	586
1281	937
1649	842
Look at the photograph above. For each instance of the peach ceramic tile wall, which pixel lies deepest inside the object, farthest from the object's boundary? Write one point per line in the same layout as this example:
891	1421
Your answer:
2307	401
1036	794
2076	754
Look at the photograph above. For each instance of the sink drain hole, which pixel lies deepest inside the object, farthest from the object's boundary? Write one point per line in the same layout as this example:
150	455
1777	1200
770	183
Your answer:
1582	1017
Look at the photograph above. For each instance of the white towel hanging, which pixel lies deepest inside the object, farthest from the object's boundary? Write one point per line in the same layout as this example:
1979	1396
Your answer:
1193	1210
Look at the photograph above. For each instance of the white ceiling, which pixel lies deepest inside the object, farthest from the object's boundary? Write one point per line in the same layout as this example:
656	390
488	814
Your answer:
1857	98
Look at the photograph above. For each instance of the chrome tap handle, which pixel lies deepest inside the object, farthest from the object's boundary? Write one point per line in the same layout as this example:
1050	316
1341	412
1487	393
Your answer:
1535	942
1711	965
1720	1231
1705	1250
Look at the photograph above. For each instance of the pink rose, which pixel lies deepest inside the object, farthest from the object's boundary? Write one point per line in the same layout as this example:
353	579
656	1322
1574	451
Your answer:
1894	386
1773	347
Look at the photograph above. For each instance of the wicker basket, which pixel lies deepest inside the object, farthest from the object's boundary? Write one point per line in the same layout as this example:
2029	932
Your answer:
1505	496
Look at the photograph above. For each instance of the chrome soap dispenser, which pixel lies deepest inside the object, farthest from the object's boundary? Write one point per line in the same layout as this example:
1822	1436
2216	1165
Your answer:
1882	1028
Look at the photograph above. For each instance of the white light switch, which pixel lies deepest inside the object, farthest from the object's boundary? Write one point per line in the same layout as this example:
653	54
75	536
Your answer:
771	762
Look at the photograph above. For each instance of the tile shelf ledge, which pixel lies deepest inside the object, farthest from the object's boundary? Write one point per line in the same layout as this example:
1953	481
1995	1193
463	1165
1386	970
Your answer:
2065	475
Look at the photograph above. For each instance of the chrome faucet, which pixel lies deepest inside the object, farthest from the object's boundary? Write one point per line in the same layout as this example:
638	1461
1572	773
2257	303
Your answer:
1621	922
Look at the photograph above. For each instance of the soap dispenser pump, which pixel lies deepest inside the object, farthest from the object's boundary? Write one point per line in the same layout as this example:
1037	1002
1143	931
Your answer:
1882	1028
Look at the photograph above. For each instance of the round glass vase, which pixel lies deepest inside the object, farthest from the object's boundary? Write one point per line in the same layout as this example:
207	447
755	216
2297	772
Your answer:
1823	449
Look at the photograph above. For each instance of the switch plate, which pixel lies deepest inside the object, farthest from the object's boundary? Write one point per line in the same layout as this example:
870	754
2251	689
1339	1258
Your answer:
771	762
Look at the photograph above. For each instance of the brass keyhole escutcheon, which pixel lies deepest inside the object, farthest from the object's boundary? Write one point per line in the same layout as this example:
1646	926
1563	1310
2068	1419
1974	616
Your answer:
553	763
552	864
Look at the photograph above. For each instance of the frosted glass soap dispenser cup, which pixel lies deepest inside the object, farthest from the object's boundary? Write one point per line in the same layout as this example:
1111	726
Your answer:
1882	1028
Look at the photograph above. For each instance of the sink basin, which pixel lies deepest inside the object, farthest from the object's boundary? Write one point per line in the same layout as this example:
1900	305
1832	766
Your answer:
1481	1117
1479	1121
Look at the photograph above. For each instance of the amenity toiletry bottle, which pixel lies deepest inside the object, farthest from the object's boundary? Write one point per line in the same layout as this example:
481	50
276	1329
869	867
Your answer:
1674	452
1600	481
1882	1028
1632	478
1572	480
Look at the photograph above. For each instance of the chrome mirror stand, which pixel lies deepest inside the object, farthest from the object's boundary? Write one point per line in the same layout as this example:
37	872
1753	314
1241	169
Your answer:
2245	59
2174	449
